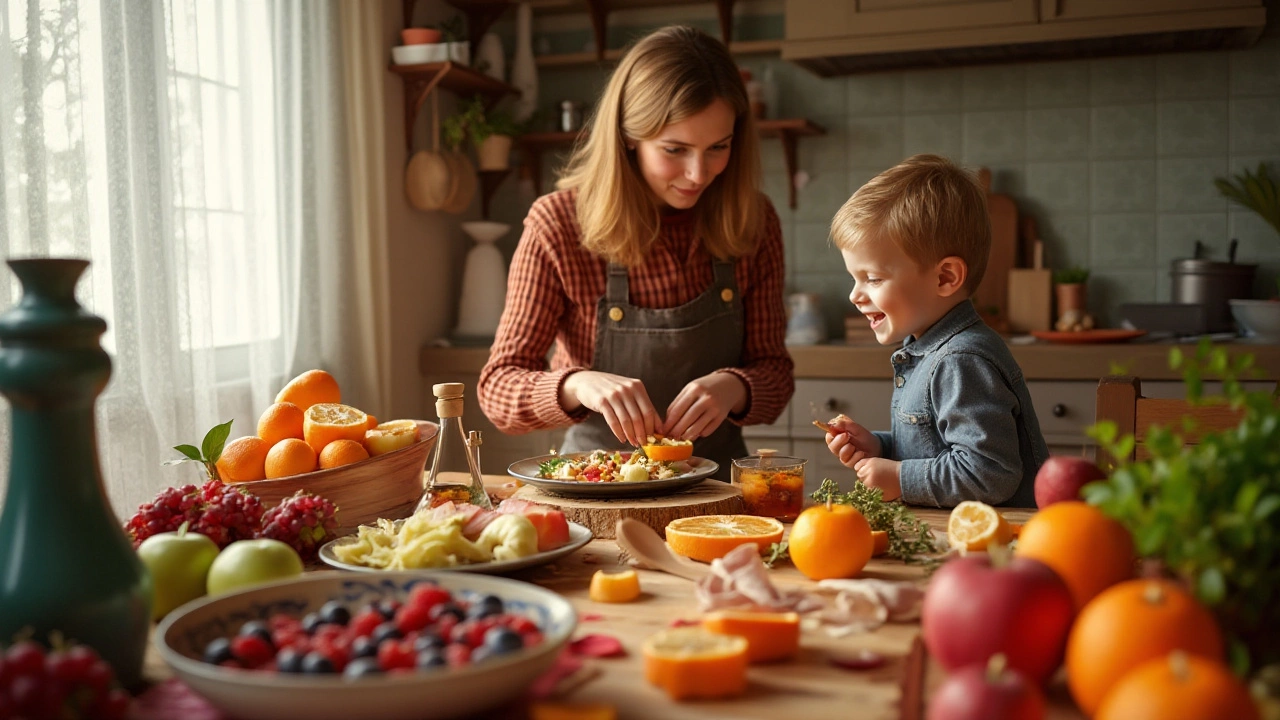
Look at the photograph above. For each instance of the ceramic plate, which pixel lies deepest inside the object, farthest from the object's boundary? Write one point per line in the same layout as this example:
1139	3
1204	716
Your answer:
579	536
1088	336
527	471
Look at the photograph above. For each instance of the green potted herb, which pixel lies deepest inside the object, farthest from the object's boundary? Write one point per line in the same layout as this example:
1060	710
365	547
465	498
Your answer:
491	132
1069	288
1210	512
454	33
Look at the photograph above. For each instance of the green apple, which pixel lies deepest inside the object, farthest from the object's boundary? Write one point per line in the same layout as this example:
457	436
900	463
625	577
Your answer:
250	562
178	563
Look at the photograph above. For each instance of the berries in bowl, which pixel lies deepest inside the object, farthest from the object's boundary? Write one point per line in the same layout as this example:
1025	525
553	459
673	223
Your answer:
340	645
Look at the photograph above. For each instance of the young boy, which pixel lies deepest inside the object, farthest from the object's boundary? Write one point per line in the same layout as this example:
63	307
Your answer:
915	239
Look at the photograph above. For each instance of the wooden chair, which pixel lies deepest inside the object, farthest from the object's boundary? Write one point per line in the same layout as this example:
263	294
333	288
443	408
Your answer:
1120	400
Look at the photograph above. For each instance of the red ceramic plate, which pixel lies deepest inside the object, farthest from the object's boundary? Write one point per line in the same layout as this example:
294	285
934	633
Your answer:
1088	336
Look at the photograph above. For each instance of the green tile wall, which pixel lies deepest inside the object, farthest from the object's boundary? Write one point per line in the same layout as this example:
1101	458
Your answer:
1114	157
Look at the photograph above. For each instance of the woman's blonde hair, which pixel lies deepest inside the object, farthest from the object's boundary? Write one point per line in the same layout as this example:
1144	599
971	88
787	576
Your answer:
926	204
666	77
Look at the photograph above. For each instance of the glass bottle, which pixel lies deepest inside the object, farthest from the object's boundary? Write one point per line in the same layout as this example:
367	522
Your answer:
65	562
454	448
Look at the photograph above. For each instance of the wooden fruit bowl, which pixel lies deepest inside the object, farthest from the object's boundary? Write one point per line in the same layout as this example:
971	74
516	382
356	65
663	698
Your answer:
384	486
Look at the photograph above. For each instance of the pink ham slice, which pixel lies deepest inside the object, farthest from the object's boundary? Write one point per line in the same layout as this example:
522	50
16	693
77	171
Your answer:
477	518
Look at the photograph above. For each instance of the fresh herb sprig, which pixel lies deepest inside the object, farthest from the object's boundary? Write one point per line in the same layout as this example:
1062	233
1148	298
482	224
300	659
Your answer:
777	551
1209	511
547	468
910	539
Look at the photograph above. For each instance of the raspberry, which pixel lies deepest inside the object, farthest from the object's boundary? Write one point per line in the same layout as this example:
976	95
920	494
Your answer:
366	622
221	512
303	521
392	655
251	650
428	595
412	617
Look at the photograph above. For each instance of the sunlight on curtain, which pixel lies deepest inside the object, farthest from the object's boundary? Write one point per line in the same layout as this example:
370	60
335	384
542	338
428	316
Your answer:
157	138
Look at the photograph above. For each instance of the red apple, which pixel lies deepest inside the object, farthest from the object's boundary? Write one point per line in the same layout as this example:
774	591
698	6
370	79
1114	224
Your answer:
1061	477
983	604
993	692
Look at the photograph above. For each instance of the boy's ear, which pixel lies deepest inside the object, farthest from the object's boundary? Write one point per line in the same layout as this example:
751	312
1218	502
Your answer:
952	272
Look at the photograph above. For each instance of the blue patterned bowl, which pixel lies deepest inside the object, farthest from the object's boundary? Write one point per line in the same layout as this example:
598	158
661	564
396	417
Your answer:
423	695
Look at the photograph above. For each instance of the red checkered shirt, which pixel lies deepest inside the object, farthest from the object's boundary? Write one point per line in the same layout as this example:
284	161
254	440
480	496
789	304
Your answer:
555	285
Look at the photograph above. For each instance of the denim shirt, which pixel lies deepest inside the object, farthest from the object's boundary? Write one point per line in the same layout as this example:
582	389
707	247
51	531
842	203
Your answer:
962	421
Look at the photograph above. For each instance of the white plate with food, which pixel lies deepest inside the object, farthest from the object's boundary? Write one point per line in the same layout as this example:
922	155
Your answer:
611	474
461	538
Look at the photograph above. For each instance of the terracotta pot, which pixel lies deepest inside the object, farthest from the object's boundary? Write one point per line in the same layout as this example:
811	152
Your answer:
1071	297
419	36
495	152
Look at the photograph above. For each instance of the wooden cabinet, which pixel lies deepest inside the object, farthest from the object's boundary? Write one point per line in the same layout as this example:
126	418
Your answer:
1069	10
810	19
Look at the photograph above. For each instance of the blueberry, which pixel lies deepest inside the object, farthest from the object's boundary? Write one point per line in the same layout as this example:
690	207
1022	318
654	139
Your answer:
335	613
501	640
289	660
362	667
433	658
447	608
311	622
428	641
386	631
313	663
258	628
218	651
388	608
486	606
364	647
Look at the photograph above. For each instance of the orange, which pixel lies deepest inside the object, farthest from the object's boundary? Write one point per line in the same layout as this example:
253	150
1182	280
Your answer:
342	452
691	662
547	710
390	436
309	388
280	421
707	537
243	460
974	526
617	587
879	542
665	450
290	456
1090	551
830	541
373	422
1178	686
326	422
1129	624
770	636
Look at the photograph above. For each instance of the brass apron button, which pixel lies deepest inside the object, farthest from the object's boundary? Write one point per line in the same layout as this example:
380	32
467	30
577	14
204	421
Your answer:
615	314
899	381
726	295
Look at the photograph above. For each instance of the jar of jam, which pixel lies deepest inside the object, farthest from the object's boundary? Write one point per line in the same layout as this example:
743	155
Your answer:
772	485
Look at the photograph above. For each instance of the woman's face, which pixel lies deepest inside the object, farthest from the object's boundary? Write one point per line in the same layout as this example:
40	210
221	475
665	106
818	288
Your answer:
682	160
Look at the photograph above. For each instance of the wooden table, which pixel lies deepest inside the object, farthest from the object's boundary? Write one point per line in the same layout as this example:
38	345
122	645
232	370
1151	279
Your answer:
806	687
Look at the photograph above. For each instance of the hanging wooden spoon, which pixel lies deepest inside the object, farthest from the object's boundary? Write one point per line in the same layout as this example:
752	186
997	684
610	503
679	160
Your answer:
649	549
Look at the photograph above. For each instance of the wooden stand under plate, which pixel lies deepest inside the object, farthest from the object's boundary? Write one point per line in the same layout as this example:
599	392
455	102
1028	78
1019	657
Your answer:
710	497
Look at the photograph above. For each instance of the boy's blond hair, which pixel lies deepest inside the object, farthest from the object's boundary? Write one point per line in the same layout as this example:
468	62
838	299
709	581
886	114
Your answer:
926	204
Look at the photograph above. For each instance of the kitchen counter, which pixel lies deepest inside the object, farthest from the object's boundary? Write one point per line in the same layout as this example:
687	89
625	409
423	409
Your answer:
1039	361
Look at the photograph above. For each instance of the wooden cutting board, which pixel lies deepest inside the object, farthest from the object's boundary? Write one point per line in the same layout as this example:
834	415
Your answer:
1031	289
992	296
710	497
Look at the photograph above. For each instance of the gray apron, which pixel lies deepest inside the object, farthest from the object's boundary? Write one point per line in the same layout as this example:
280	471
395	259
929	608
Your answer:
666	348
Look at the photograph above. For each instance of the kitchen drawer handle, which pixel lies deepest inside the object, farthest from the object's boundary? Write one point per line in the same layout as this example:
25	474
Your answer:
1059	410
830	404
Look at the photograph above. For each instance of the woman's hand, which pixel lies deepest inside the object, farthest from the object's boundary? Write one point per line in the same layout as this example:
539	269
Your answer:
703	404
622	401
852	443
883	474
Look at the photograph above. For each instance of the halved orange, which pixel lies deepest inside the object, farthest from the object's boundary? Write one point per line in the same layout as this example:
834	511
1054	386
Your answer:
770	636
391	436
661	449
974	526
692	662
616	587
707	537
325	422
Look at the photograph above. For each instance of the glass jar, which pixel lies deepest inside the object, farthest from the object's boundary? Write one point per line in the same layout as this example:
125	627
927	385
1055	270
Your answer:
772	485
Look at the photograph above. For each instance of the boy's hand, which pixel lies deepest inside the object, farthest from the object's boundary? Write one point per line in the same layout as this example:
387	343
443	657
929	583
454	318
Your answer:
851	442
881	473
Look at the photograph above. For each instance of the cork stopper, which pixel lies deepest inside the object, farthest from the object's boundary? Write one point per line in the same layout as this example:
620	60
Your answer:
448	399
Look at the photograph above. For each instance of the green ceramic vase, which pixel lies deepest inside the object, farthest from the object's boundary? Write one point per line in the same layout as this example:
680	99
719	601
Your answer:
65	562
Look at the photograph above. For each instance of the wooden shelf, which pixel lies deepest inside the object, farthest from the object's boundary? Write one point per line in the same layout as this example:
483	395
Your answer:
789	130
420	80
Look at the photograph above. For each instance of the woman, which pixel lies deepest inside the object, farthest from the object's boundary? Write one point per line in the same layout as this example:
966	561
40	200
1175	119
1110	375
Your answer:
657	268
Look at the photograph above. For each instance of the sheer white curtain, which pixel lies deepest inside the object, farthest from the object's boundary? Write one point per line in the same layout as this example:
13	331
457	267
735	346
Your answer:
195	152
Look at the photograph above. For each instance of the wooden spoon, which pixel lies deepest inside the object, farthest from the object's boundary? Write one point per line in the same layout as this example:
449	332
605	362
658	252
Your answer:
650	550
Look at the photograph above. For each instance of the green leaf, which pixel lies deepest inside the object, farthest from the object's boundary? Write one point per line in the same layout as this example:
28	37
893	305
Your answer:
1265	507
1211	586
1247	497
191	451
215	440
1176	358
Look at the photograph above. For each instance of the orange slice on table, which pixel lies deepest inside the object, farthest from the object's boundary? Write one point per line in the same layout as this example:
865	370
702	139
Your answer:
325	422
770	636
692	662
707	537
975	526
879	542
616	587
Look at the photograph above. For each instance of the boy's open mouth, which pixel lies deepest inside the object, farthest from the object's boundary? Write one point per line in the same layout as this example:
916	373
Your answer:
875	318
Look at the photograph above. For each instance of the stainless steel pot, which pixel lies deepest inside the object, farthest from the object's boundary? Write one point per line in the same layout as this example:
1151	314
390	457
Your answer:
1212	284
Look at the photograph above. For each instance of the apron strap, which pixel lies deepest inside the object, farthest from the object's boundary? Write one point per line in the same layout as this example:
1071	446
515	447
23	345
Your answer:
617	288
724	277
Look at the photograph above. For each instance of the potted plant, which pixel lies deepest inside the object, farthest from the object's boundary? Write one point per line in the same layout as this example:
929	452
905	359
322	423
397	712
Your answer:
1258	192
455	38
1069	287
491	132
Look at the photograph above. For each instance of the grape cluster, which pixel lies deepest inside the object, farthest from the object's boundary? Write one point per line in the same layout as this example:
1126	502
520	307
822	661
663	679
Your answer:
222	512
304	521
64	683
